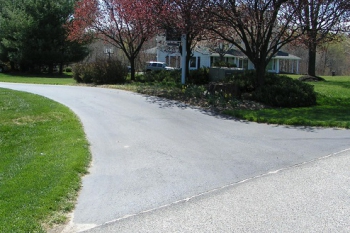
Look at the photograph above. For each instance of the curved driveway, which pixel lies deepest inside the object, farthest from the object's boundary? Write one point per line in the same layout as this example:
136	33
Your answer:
149	152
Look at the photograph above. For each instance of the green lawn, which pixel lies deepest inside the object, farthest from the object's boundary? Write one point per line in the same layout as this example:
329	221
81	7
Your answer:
65	79
332	109
43	153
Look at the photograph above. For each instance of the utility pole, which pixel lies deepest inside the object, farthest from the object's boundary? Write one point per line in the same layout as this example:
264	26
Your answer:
183	59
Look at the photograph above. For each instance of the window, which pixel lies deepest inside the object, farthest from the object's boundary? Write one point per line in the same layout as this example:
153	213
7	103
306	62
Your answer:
193	62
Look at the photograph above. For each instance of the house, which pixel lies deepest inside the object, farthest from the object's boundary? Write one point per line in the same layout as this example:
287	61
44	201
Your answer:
282	62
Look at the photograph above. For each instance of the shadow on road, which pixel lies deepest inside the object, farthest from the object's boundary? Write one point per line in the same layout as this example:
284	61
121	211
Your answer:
166	103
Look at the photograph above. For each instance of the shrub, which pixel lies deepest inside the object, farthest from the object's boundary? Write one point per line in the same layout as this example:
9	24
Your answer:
83	72
165	76
68	69
245	81
193	91
282	91
100	72
199	77
224	64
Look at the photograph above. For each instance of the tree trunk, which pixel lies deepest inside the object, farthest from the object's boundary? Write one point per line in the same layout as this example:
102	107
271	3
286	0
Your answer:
260	75
312	57
12	64
132	70
50	69
188	57
60	71
260	68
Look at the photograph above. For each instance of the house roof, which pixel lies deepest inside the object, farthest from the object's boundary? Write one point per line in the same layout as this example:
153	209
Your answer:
237	53
231	53
286	56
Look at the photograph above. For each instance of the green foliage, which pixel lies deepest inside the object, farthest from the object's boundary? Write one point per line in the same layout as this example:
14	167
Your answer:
32	34
277	91
43	152
69	69
224	64
199	76
100	72
282	91
193	91
245	81
165	76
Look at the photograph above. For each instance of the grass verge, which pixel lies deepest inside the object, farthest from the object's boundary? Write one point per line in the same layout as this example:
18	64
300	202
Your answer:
65	79
43	153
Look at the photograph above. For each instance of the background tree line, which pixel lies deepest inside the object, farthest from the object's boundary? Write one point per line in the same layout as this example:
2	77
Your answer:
33	35
330	57
259	28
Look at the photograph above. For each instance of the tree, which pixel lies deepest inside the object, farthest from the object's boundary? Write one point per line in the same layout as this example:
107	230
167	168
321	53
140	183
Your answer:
14	23
259	28
33	34
335	57
322	20
125	24
187	17
219	46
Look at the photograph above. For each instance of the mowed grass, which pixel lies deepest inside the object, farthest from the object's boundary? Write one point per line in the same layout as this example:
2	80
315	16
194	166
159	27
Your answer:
65	79
332	109
43	154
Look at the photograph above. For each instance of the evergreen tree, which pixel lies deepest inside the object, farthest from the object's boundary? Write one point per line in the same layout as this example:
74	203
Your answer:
33	35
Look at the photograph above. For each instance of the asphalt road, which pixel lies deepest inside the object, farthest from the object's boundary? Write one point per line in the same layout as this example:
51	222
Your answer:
148	152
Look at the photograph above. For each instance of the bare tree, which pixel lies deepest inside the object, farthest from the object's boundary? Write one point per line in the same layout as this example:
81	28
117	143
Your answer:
259	28
322	20
186	17
124	24
219	46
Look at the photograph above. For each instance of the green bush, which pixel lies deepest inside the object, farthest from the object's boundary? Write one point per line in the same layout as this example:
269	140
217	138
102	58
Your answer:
164	76
83	72
224	64
68	69
199	77
282	91
100	72
245	81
